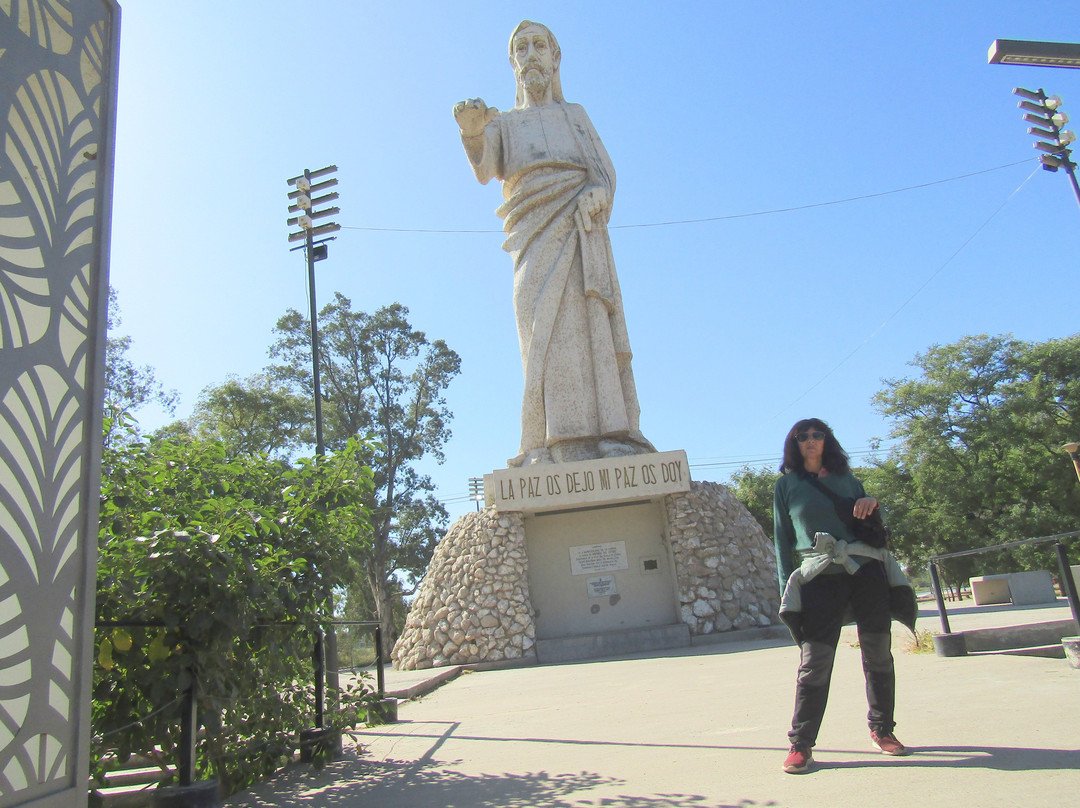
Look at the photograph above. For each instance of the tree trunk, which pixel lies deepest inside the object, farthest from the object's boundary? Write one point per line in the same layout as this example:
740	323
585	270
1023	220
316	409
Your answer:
386	618
381	593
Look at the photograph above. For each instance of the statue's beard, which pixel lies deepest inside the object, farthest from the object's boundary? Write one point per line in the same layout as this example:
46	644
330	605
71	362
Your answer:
535	81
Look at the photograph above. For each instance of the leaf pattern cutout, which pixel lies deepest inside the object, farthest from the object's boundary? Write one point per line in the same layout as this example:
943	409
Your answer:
47	204
40	509
92	64
47	22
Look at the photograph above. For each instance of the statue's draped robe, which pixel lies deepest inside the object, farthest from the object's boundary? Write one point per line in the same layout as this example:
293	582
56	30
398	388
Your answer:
574	347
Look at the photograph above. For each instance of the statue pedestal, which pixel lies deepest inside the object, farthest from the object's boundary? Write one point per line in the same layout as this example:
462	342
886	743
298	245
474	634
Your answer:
598	556
595	558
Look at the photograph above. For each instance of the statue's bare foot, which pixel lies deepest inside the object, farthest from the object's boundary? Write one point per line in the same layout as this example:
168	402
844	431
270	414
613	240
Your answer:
574	450
530	458
641	446
611	448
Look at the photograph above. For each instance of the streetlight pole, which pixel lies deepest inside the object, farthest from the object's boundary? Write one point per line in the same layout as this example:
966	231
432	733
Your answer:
304	206
1033	54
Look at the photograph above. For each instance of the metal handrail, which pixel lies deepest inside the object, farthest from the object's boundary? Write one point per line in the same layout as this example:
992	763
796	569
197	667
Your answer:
1007	545
1068	585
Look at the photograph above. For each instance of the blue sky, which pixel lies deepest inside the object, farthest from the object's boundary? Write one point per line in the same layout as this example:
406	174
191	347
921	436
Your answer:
755	116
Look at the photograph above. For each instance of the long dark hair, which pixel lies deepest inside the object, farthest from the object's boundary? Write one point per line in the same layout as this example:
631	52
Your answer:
833	456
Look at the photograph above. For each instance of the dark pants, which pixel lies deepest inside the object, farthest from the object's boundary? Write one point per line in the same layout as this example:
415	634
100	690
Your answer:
825	600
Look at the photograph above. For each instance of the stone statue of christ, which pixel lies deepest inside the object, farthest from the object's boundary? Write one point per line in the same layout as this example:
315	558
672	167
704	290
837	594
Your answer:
558	183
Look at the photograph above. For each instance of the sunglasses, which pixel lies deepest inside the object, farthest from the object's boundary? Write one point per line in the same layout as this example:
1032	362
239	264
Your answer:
803	437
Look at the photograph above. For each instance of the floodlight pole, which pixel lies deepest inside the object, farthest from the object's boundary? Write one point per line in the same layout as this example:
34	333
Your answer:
1041	54
476	490
310	253
1075	184
324	653
1044	111
1068	580
304	205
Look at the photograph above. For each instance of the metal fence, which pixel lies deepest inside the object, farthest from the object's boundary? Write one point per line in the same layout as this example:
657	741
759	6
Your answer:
1068	584
324	646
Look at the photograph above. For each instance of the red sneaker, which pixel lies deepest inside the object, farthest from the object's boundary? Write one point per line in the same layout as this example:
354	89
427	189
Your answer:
887	743
799	760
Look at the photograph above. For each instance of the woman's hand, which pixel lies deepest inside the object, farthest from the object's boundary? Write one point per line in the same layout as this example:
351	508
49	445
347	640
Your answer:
864	507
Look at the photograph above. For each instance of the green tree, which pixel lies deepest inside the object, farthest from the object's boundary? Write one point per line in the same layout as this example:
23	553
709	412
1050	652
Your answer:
218	551
384	380
754	489
978	461
128	386
255	415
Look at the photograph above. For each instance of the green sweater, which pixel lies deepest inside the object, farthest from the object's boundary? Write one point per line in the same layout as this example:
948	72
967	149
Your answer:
800	511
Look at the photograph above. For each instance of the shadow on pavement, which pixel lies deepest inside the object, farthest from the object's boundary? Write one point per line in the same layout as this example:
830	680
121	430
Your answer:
983	757
354	781
426	784
997	758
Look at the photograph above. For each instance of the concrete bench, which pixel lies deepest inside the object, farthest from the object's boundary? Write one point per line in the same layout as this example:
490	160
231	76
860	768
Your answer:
1019	588
1036	586
987	589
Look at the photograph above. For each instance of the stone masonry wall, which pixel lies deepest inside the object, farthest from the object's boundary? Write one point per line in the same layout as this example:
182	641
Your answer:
473	604
726	565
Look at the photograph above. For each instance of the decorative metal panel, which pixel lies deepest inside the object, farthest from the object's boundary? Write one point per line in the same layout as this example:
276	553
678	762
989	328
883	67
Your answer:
57	93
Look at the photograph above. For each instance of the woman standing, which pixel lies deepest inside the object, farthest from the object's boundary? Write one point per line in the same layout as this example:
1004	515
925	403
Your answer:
826	585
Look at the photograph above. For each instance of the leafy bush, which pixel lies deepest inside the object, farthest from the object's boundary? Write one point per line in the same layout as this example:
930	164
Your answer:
214	554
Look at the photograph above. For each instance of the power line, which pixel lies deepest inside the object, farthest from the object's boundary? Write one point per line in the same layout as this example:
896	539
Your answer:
728	217
824	204
718	462
911	297
766	461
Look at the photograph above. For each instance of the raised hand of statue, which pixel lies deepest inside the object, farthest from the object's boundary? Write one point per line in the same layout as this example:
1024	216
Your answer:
473	115
591	203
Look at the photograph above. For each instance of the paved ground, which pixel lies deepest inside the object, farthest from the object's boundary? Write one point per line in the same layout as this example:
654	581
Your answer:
706	728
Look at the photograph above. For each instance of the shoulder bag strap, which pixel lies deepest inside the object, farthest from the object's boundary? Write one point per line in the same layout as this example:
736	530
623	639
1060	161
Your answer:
814	481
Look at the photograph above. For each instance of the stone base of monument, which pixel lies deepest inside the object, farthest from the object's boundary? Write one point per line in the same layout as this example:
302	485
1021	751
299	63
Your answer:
613	643
594	558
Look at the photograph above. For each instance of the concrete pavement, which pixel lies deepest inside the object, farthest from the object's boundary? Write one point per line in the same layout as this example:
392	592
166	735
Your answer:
706	727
